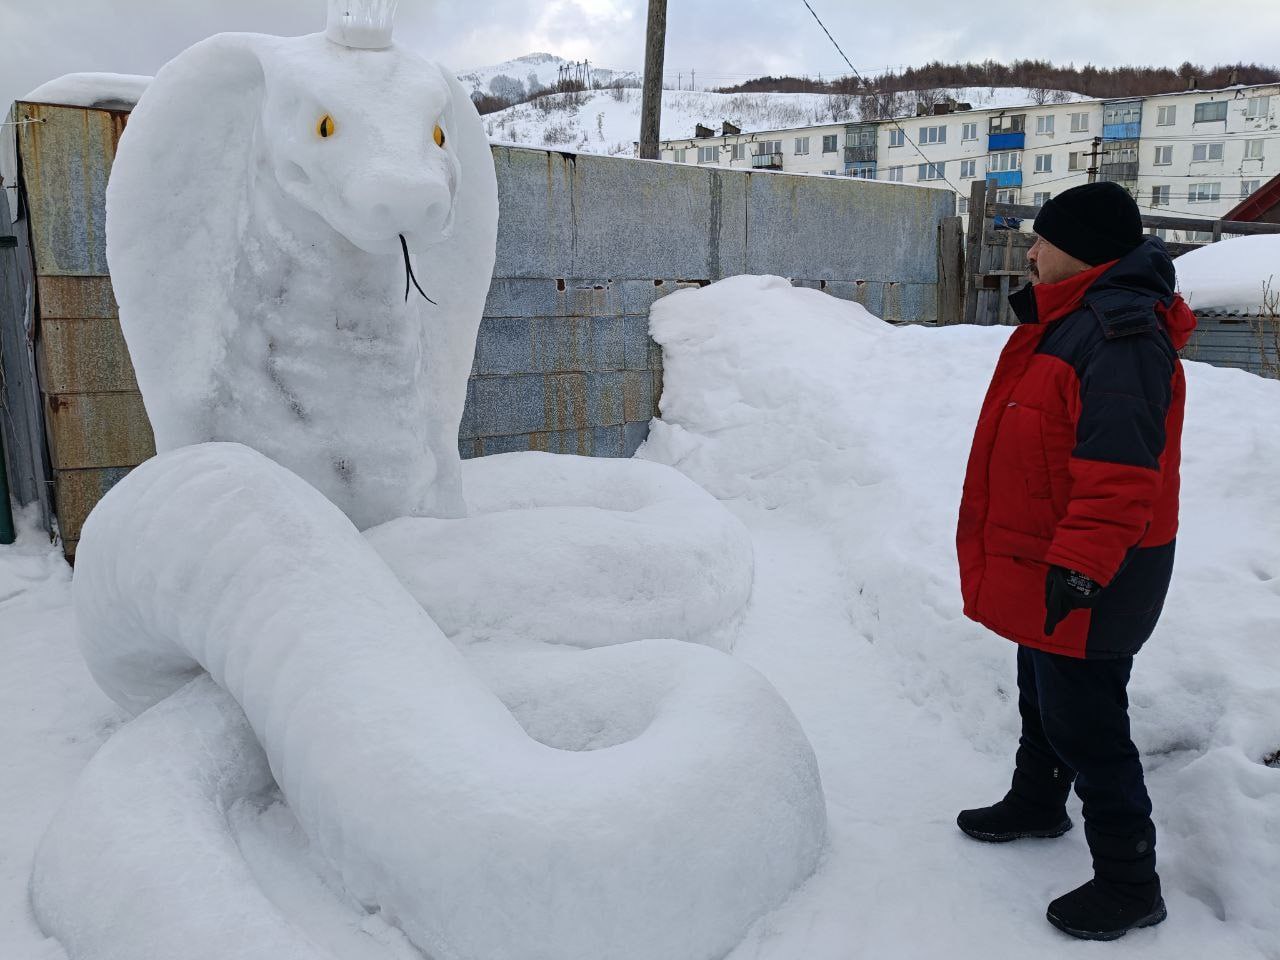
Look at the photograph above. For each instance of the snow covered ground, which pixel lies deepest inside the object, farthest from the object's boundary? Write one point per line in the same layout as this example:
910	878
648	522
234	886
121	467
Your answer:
840	443
608	121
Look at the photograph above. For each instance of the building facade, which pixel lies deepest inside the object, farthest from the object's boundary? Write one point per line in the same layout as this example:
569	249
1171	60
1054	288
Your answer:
1196	153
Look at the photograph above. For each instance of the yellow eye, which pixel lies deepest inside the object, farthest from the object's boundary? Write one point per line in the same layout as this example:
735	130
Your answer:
438	136
326	127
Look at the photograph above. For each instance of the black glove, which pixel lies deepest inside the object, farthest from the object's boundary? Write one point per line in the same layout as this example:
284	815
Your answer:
1066	590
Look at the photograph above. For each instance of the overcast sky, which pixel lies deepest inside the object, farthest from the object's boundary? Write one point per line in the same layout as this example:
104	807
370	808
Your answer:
724	41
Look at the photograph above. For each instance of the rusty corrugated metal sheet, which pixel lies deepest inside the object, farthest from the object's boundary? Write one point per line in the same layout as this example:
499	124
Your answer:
96	426
84	356
78	492
66	159
98	430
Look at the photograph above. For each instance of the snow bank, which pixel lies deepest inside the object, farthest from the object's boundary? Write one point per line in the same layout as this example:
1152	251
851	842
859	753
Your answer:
106	91
858	432
575	550
258	264
1235	274
702	810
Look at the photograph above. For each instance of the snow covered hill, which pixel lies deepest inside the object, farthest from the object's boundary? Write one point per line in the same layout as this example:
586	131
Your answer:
608	121
532	70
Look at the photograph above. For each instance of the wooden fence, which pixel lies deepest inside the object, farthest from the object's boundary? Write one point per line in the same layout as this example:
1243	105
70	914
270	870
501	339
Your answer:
992	260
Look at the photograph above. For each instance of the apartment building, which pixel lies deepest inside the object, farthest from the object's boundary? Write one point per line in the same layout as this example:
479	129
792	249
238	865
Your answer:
1194	153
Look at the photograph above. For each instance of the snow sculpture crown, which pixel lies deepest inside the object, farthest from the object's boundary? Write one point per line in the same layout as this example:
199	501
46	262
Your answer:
362	24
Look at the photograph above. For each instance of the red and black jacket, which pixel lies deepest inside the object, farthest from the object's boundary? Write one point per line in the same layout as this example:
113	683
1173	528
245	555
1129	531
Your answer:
1075	458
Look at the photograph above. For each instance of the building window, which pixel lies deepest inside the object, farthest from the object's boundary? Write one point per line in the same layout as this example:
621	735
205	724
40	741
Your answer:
802	146
1257	108
1013	123
933	135
680	155
962	206
1210	111
708	154
1079	123
1007	195
1044	126
1000	162
1076	160
768	146
895	174
1160	196
968	168
739	151
830	173
1248	188
897	137
1167	116
969	131
864	171
1164	155
1206	151
1040	199
1253	149
1044	163
931	171
830	143
1204	192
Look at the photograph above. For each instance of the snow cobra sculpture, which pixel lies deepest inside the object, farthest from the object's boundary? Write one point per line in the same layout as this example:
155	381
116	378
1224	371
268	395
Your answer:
270	200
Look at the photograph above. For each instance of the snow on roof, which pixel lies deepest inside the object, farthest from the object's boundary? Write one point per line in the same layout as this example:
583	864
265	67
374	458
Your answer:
109	91
1234	275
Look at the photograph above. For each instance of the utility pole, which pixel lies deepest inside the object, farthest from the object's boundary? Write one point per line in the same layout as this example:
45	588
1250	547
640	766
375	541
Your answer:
655	48
693	79
1093	160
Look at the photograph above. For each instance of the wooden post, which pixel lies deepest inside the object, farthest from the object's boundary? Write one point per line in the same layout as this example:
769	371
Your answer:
951	270
1217	230
973	247
651	99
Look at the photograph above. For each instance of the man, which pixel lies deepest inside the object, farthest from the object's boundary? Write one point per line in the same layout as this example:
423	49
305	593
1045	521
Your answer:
1066	536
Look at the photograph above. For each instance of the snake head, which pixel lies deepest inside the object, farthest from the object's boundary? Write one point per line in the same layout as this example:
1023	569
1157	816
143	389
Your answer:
362	138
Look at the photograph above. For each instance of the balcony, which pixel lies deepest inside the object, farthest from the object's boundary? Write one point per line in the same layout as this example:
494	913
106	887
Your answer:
1119	172
860	154
1122	131
766	161
1005	178
1005	141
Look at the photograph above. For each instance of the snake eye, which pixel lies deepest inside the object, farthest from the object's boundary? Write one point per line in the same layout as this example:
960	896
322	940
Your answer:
326	126
438	136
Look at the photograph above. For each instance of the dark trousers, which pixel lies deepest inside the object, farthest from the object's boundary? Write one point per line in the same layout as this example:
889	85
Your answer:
1075	728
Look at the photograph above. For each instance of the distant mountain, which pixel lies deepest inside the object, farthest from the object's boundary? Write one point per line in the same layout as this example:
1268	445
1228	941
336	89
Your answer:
515	79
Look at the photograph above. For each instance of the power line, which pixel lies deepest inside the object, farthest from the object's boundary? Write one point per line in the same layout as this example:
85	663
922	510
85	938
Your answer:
859	76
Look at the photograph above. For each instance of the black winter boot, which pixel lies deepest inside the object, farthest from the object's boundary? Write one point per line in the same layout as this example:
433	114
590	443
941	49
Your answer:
1106	910
1012	819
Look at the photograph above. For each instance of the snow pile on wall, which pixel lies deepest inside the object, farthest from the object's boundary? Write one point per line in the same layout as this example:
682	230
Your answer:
107	91
859	432
1240	274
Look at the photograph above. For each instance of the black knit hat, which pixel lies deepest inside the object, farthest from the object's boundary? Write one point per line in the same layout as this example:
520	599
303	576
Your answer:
1094	222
